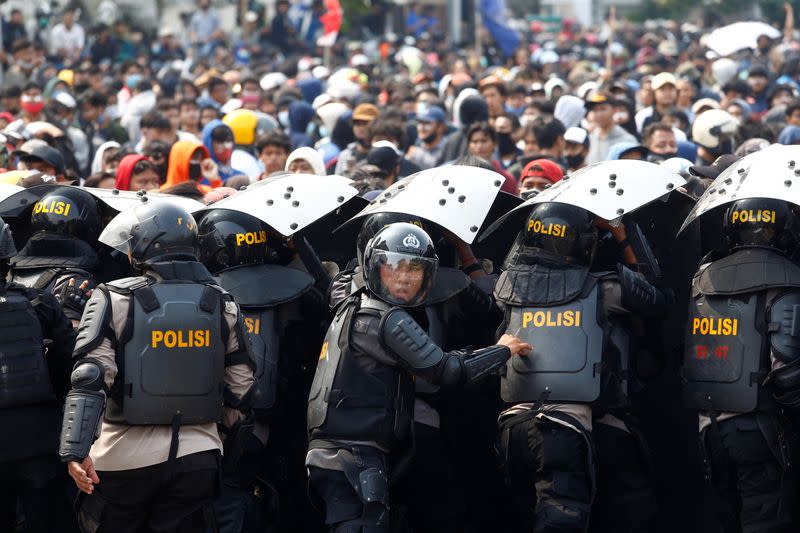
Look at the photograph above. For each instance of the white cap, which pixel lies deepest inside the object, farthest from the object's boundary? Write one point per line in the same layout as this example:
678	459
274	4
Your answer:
65	99
320	72
273	80
575	135
230	105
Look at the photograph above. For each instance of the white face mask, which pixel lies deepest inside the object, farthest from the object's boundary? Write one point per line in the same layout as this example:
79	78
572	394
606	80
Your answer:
283	118
620	117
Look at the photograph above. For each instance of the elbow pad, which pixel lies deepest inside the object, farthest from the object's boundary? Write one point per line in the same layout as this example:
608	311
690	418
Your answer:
83	410
481	363
638	294
94	323
403	337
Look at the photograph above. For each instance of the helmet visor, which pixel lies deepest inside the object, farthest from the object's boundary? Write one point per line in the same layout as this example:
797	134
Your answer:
117	234
401	279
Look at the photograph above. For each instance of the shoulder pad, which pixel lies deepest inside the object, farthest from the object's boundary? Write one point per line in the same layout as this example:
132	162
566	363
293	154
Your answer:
784	326
447	283
128	285
540	285
402	336
265	285
748	270
95	318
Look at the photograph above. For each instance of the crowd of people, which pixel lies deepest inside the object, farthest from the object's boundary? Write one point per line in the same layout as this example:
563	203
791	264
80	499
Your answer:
497	353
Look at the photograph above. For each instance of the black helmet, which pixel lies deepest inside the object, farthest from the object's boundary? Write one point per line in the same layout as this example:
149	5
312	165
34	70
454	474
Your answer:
231	238
7	247
68	211
399	264
158	231
562	230
374	223
761	222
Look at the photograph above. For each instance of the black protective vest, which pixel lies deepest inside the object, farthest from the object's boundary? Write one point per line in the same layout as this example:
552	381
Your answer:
727	356
260	290
171	358
353	396
46	257
24	377
578	356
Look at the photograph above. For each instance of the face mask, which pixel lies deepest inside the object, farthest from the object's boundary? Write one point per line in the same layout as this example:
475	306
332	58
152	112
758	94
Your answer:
283	118
195	172
310	128
505	144
573	161
524	120
32	107
250	98
133	80
323	131
517	111
660	158
620	117
430	138
25	65
224	154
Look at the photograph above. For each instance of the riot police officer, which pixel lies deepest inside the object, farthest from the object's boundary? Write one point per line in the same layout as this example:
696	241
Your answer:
36	342
65	225
566	434
740	362
282	314
360	412
161	359
459	312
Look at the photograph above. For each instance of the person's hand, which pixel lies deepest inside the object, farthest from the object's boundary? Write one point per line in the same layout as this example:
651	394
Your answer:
76	297
209	169
787	7
516	346
83	474
618	232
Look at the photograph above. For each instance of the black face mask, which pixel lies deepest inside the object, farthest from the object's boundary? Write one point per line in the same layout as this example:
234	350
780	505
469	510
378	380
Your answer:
363	143
195	172
429	139
574	161
505	144
660	158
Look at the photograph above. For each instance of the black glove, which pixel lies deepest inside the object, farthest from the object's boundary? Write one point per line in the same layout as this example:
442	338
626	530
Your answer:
74	296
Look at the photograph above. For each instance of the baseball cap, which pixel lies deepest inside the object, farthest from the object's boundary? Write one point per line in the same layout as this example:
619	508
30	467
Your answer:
596	99
431	114
384	158
368	112
47	154
542	168
576	135
663	78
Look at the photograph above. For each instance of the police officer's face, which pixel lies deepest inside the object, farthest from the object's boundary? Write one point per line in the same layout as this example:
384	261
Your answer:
403	281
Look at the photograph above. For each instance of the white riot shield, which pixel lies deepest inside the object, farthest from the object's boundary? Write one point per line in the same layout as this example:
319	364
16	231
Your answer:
773	172
290	202
456	197
121	200
609	190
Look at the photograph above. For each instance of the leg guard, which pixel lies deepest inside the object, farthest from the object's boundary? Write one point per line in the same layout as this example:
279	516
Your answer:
551	473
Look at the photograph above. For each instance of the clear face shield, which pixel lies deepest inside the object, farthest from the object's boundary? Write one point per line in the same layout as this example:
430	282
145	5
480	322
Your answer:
401	279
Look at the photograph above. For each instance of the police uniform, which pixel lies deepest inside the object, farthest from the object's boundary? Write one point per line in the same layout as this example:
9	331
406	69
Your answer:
64	223
168	351
567	438
36	341
740	357
361	406
281	310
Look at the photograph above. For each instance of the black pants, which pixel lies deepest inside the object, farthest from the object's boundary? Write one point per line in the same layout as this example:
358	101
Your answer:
163	498
549	469
626	498
356	499
755	491
40	484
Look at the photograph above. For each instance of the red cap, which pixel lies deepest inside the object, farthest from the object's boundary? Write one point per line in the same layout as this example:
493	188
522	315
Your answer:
542	168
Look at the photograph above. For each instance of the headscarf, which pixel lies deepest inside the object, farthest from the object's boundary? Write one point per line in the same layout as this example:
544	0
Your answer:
311	156
125	171
97	162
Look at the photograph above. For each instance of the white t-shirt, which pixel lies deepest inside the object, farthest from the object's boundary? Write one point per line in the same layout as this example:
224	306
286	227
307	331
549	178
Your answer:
72	40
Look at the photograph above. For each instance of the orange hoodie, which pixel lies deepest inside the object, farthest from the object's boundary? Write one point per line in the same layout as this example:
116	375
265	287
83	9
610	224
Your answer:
178	169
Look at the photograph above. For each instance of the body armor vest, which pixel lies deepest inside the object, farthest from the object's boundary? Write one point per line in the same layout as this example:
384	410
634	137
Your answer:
727	357
172	359
354	396
260	290
24	377
579	355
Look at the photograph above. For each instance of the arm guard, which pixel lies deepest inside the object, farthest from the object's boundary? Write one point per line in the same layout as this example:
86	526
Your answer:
94	324
82	411
638	294
236	439
402	336
784	327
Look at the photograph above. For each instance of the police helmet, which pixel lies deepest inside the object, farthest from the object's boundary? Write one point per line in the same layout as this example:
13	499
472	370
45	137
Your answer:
7	247
564	231
762	222
68	211
374	223
153	232
400	264
230	238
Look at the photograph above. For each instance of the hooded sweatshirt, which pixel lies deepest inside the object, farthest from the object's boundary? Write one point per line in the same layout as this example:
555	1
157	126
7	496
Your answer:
300	115
125	171
97	162
225	170
472	109
310	156
178	170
